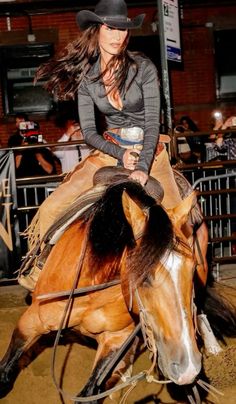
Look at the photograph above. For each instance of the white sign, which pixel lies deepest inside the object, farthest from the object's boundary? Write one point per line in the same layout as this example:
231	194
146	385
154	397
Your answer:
171	30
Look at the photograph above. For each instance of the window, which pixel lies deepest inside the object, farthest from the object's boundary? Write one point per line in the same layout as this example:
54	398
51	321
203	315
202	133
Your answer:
149	45
17	71
225	64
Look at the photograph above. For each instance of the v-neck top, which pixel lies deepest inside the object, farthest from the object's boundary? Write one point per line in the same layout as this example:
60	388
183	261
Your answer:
141	107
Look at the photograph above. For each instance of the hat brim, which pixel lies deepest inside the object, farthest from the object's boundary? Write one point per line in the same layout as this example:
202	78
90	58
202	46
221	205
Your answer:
86	18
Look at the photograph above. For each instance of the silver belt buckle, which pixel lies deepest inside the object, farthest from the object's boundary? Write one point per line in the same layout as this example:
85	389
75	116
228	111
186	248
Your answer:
133	134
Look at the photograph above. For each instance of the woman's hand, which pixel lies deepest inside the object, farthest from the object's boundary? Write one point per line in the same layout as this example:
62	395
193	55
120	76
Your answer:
139	176
130	158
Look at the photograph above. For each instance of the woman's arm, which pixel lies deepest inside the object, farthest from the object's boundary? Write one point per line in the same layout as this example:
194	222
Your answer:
88	125
151	96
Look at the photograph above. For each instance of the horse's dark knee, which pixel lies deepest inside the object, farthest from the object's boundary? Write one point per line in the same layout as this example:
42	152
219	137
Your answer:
7	379
92	386
9	365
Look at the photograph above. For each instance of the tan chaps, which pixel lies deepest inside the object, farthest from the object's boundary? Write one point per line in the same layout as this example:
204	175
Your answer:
81	179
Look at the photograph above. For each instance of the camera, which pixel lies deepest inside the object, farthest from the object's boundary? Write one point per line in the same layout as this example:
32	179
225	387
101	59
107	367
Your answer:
30	131
28	125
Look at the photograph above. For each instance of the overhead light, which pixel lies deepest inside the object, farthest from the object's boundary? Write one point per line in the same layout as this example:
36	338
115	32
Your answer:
209	24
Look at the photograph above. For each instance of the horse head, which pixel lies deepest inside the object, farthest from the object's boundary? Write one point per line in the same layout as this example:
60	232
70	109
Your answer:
158	274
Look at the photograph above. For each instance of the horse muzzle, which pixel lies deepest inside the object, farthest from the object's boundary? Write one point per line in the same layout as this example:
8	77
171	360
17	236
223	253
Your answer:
182	368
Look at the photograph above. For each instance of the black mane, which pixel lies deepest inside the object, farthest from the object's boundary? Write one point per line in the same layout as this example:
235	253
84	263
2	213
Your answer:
110	232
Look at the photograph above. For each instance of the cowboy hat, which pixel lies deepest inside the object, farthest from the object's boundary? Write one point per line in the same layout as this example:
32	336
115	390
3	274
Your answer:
109	12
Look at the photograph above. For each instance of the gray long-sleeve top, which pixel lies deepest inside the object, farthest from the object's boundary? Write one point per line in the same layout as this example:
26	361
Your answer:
141	107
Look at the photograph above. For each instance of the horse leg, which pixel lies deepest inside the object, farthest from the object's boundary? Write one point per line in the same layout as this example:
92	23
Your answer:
108	346
201	245
28	330
210	342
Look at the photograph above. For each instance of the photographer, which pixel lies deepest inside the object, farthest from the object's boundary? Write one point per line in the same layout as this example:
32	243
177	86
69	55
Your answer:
31	162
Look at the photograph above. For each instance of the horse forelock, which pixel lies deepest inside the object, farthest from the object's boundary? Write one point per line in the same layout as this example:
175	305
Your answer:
109	231
157	241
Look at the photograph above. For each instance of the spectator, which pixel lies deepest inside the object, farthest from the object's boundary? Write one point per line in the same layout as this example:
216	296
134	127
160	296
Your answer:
183	149
196	143
222	147
70	156
30	162
227	143
17	137
190	149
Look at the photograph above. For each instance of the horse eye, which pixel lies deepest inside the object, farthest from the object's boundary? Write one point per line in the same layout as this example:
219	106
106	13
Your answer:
147	281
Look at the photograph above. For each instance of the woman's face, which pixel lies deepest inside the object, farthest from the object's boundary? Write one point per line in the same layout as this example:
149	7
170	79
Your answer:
110	40
185	124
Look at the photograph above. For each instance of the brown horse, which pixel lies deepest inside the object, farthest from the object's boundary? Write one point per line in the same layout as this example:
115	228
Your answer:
124	235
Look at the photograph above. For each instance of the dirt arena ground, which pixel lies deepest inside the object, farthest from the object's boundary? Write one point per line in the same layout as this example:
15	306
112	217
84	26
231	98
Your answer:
34	385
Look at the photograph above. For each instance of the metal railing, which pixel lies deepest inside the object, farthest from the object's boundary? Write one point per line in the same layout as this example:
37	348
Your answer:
215	183
31	192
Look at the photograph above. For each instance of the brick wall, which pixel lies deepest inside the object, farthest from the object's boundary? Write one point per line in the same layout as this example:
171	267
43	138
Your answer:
193	88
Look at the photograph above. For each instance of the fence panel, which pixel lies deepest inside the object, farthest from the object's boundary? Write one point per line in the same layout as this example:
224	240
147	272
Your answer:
217	198
30	195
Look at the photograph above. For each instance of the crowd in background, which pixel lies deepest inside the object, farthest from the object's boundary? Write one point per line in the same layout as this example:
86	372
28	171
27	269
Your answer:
217	146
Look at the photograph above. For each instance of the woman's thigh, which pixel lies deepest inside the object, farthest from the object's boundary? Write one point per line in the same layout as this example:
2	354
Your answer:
162	171
77	182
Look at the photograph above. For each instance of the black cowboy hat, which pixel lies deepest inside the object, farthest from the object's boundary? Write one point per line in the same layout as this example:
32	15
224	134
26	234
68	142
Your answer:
109	12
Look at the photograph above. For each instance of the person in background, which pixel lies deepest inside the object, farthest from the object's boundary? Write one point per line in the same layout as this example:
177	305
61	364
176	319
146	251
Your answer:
227	142
70	156
183	148
17	138
222	146
30	162
190	148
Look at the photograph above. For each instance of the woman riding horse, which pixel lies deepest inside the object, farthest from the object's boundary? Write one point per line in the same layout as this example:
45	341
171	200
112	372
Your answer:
124	86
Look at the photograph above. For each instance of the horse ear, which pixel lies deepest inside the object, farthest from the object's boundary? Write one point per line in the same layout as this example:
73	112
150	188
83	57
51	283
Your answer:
134	214
179	214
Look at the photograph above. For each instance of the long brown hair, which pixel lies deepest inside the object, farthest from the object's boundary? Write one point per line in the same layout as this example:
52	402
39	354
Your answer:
65	72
